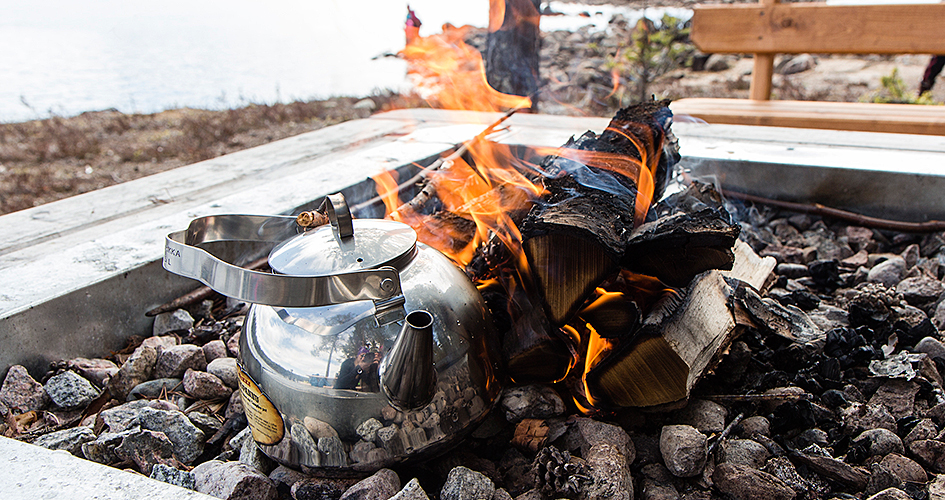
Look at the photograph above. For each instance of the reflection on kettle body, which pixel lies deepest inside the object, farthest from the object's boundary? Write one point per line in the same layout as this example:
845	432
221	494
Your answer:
360	370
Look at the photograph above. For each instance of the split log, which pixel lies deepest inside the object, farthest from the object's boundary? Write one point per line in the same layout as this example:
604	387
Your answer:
692	234
665	359
577	235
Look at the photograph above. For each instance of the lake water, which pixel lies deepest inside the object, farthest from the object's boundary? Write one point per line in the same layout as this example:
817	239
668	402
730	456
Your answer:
64	56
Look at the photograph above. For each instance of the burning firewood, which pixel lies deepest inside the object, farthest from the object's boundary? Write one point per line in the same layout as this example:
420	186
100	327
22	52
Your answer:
600	188
692	234
671	352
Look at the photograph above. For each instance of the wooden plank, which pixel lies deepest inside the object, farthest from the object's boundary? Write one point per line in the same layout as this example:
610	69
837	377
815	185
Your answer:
865	117
797	28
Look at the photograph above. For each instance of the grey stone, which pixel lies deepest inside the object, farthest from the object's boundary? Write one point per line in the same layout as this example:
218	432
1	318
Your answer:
307	447
360	451
368	429
21	393
859	417
236	442
121	417
366	104
153	389
135	370
744	483
170	475
413	491
213	350
175	361
881	479
233	345
897	396
187	439
69	390
657	483
792	271
316	488
284	478
332	452
938	316
146	448
683	449
208	424
233	481
203	385
828	317
173	321
234	406
930	453
925	429
905	468
500	494
931	346
890	494
466	484
225	369
392	439
812	436
98	371
720	62
790	65
70	440
783	469
707	416
583	433
744	452
936	488
319	428
880	442
251	455
102	450
888	273
610	474
920	291
384	484
530	401
160	342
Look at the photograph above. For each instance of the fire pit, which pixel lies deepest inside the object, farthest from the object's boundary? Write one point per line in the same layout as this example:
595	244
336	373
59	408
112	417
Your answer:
106	264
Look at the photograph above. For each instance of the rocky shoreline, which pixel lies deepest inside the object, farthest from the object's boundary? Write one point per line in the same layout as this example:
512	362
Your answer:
46	160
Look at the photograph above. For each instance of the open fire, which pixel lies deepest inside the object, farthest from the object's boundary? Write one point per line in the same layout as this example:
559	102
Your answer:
545	238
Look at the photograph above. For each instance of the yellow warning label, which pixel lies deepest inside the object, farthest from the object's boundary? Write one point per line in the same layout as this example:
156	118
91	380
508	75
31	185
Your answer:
265	422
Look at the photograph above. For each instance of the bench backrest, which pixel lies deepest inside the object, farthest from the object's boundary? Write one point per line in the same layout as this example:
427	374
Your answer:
770	28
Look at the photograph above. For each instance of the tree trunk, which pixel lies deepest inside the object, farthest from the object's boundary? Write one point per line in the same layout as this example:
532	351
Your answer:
512	47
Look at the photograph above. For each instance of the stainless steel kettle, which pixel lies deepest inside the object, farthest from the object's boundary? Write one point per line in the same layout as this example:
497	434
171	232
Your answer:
362	349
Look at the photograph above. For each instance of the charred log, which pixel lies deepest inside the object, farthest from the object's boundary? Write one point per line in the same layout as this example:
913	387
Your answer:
692	234
578	234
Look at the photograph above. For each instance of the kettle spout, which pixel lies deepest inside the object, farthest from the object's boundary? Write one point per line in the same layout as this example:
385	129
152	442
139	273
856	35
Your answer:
408	376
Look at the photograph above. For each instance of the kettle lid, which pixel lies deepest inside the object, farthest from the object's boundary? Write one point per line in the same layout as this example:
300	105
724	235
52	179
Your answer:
323	251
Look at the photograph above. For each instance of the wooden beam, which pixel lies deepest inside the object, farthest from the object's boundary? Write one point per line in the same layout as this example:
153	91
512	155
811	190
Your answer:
858	116
798	28
763	71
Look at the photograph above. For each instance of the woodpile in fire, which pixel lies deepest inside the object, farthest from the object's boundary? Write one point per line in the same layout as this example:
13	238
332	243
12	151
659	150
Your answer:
590	283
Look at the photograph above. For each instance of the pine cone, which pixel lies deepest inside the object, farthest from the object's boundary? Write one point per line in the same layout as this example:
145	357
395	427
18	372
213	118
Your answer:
559	475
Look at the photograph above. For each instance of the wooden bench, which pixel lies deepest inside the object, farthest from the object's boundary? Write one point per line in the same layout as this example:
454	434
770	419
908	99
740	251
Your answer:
770	28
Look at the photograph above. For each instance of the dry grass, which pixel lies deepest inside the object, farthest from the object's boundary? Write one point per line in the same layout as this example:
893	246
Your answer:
46	160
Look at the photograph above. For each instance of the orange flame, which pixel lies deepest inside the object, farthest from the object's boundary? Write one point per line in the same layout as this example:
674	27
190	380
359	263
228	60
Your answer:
450	74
